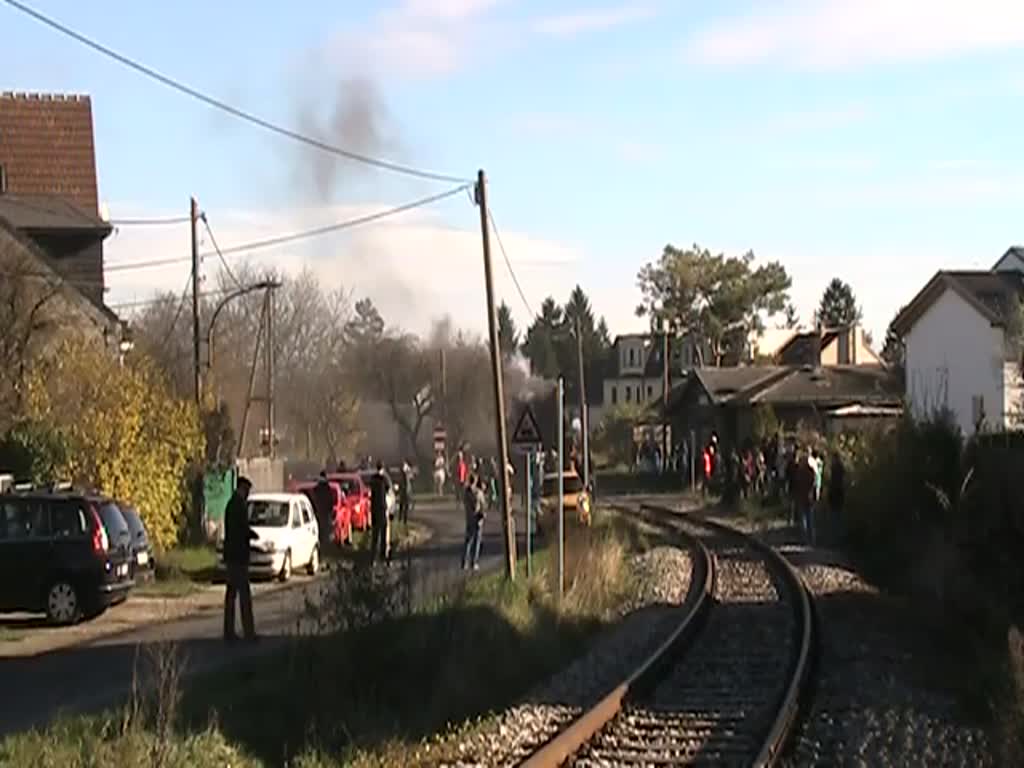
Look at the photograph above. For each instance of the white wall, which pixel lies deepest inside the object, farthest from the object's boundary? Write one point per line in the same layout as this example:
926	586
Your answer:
953	356
1013	388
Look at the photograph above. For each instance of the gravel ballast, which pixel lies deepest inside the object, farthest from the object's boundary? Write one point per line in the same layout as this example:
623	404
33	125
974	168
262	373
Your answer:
661	578
871	705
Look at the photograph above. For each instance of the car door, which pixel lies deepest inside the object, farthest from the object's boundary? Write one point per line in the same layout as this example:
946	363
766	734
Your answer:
297	539
309	527
25	557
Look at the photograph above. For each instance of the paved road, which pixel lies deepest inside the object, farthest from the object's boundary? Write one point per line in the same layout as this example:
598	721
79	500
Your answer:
99	673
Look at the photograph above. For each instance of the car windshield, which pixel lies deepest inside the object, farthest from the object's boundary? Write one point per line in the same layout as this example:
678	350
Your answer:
113	521
349	486
570	484
131	516
271	514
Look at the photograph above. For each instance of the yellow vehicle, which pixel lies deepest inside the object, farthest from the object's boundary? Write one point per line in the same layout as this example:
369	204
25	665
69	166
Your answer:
576	499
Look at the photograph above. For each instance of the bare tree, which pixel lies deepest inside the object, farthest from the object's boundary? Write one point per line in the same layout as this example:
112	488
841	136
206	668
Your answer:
29	312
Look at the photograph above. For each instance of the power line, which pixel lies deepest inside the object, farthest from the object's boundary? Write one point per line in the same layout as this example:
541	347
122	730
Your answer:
225	107
157	222
283	239
220	254
508	263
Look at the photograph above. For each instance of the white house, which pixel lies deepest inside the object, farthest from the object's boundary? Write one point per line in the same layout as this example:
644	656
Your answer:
962	340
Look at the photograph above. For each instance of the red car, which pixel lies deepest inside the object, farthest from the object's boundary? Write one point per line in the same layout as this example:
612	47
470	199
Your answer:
341	528
356	497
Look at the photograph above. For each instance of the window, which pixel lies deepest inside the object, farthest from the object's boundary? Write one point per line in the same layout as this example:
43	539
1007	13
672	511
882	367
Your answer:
67	519
23	519
632	357
615	394
296	515
306	517
272	514
650	391
629	394
3	180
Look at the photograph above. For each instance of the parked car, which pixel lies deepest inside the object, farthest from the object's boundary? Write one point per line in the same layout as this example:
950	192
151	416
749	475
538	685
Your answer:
143	564
576	501
356	497
68	555
287	534
341	514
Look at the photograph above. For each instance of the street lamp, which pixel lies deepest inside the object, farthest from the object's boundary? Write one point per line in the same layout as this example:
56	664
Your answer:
243	291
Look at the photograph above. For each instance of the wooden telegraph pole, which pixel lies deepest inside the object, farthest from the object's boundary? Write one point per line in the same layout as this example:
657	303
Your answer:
196	365
499	386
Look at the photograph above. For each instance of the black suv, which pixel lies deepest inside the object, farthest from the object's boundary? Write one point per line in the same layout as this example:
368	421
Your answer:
66	554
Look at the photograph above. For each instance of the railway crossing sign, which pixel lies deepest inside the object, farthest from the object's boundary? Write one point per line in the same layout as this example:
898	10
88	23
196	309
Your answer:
526	436
440	439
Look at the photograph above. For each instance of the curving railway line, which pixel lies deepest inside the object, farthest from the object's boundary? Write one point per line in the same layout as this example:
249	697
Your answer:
726	686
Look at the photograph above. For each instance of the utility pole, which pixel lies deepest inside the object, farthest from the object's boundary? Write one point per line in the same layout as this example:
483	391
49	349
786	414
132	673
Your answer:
251	391
270	371
561	487
196	365
584	417
665	384
499	386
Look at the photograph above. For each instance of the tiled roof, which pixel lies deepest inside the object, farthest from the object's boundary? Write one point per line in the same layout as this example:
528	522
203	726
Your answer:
832	385
100	311
725	384
43	212
992	294
47	148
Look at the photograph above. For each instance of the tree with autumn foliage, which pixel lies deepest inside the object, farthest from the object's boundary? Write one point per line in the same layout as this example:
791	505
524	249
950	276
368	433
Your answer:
128	435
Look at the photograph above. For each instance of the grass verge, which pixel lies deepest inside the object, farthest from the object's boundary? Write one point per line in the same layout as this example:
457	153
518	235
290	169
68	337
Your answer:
376	688
180	572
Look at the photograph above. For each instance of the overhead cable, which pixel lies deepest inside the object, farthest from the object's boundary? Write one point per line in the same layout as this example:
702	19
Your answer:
225	107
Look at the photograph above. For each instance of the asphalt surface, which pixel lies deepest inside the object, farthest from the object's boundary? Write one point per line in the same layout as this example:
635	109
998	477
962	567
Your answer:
99	673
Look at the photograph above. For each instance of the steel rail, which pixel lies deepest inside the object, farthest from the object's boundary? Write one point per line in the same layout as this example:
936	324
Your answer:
699	598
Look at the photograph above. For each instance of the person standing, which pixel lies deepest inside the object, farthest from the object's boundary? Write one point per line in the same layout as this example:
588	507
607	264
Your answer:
404	492
803	493
237	535
473	503
323	505
380	539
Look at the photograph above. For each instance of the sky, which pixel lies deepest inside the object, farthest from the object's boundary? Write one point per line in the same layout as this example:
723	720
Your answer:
872	140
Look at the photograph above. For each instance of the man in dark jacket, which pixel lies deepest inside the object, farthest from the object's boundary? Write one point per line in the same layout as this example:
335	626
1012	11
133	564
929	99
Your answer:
380	484
237	535
323	504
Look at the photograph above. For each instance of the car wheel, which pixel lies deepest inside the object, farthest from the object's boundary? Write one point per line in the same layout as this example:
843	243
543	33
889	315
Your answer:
314	562
286	567
62	606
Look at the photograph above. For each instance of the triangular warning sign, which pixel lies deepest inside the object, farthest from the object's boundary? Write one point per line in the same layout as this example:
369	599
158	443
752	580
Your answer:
527	432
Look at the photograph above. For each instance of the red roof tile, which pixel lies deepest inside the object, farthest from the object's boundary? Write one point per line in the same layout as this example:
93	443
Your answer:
47	148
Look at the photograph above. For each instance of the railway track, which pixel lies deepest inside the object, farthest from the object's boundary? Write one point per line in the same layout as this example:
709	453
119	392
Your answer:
725	688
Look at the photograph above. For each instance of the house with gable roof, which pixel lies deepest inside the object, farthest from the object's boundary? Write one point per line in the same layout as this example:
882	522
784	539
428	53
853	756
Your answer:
51	231
962	335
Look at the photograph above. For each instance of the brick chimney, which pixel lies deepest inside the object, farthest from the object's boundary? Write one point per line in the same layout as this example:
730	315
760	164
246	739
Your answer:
815	352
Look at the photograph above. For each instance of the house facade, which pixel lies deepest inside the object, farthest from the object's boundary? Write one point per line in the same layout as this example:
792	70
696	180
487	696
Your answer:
962	338
49	195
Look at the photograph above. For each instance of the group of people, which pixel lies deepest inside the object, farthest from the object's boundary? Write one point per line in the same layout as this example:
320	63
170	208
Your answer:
477	492
776	472
238	534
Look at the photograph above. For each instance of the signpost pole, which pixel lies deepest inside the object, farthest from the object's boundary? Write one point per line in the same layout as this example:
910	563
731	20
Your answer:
528	503
561	492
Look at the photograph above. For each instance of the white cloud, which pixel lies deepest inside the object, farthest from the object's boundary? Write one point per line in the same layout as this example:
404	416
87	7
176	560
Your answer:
416	38
416	268
572	24
833	34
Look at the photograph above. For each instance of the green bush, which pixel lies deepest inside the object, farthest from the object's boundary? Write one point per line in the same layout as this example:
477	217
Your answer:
34	452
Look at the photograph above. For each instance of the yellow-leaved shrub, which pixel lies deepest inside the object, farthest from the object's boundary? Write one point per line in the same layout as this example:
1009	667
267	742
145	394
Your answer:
131	438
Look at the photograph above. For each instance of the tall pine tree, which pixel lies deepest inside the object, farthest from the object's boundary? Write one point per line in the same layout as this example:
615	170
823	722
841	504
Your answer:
838	305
